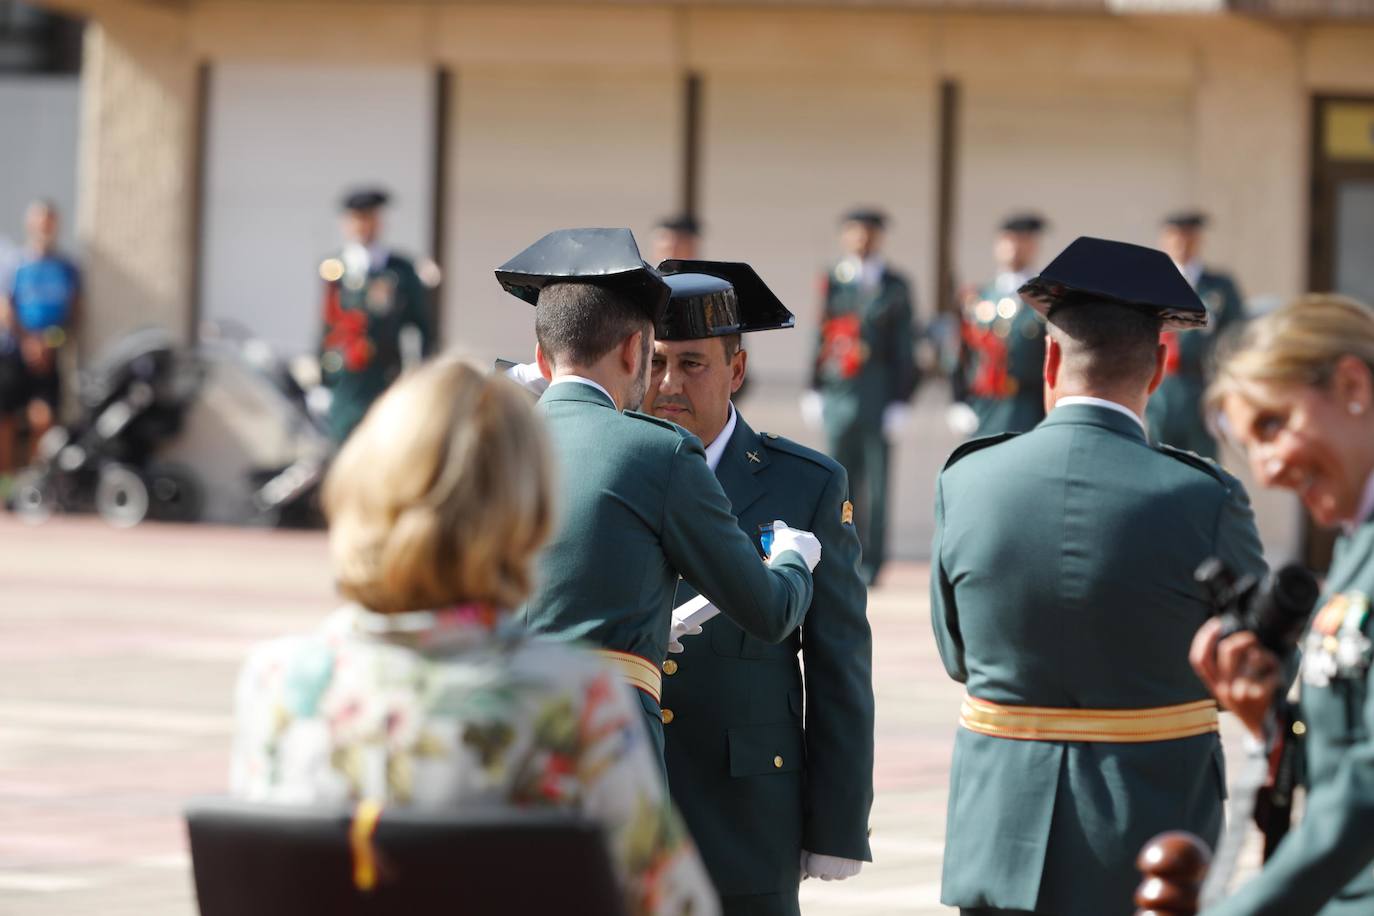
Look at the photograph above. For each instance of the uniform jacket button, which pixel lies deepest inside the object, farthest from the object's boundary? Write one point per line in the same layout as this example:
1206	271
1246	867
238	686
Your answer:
670	667
667	716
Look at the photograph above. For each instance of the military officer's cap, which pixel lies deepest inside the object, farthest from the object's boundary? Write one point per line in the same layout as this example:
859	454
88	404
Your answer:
1187	219
1024	223
685	223
364	199
608	258
716	298
1092	271
868	216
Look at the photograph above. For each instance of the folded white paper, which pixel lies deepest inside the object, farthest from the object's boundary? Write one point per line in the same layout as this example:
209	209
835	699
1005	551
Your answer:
695	612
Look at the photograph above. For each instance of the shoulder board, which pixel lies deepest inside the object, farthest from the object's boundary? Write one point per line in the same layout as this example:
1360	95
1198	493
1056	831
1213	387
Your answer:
974	445
649	418
1199	462
782	444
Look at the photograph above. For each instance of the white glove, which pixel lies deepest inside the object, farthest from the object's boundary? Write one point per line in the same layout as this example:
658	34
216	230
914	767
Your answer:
528	376
803	542
828	868
679	629
961	419
812	406
896	418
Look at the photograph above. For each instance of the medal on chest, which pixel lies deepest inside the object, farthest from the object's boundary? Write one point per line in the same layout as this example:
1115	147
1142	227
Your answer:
1336	646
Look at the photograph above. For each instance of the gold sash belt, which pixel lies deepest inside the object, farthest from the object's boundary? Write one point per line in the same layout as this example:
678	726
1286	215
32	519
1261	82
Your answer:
1117	726
639	671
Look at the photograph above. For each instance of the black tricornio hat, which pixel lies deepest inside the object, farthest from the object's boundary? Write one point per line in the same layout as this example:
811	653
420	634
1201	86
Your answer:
608	258
685	223
869	216
1092	271
1024	222
715	298
364	199
1186	219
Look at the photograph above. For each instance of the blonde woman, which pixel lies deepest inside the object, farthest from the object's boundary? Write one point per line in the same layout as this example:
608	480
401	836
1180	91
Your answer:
1297	394
419	690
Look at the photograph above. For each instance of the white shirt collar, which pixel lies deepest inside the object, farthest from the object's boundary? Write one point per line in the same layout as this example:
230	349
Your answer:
563	379
716	449
1365	510
1100	402
360	259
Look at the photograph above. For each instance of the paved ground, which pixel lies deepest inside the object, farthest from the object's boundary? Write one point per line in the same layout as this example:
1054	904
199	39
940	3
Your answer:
117	654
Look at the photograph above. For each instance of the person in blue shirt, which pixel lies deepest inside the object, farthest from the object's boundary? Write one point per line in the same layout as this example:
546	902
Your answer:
38	313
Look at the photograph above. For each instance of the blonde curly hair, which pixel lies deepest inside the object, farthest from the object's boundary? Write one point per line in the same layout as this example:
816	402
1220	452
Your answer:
442	495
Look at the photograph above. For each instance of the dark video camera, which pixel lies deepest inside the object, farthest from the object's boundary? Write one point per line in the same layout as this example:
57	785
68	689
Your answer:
1275	608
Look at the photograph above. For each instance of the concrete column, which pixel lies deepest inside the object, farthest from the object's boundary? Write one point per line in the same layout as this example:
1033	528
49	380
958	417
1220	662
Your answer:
1251	136
137	172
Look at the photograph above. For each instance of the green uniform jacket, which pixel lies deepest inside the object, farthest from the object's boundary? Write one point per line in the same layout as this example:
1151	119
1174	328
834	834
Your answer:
1063	576
1326	865
754	786
865	350
639	506
360	341
1175	410
1004	364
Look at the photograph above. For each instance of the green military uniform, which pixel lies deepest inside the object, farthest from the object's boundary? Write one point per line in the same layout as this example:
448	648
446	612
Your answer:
1063	578
1004	346
360	344
1326	865
639	506
1175	411
865	360
760	768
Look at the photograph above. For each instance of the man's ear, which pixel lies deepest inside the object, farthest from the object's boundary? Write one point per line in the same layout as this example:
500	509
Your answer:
630	353
1054	361
738	366
544	362
1161	361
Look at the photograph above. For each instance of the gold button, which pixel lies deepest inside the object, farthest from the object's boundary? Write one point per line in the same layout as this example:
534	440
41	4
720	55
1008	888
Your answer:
777	762
667	716
670	667
1299	728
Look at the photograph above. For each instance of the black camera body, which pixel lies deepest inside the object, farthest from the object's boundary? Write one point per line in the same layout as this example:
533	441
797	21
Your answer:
1276	608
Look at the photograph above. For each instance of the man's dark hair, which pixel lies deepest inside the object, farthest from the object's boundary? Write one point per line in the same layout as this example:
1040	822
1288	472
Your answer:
579	323
1106	346
733	344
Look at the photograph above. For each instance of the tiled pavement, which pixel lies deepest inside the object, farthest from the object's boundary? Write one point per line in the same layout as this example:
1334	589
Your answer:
117	655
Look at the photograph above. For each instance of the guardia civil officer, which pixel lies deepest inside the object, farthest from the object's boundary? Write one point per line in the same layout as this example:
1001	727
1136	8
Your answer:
864	371
1175	414
1298	395
766	768
1003	338
639	505
1062	596
371	295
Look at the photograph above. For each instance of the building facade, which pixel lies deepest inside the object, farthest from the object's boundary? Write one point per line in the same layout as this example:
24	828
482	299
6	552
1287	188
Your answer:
216	135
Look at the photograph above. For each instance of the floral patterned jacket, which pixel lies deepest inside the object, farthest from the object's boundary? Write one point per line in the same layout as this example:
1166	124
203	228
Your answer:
454	708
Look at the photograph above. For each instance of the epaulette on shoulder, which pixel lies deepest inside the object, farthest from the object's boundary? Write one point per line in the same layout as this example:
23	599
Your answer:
796	449
1199	462
976	445
650	418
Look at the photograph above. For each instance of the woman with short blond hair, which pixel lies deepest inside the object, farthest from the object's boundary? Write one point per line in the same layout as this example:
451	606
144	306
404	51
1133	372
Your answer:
422	690
1296	392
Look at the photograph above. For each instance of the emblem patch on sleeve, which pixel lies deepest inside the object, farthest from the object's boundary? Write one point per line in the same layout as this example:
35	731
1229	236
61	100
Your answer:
847	513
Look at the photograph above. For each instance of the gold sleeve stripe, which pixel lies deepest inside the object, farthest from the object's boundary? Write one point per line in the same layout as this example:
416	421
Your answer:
639	671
